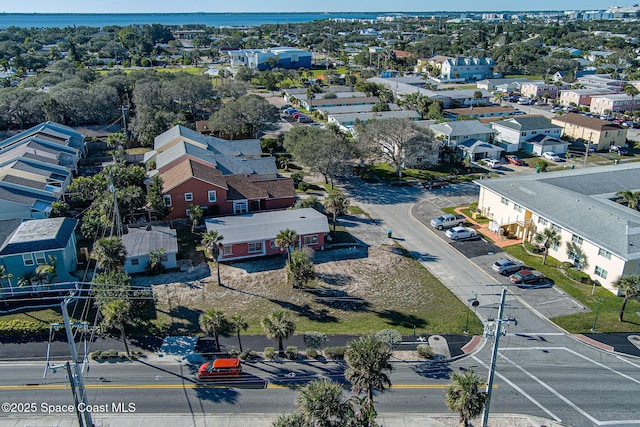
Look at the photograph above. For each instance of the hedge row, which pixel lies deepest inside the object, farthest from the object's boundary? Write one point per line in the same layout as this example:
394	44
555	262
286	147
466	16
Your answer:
17	327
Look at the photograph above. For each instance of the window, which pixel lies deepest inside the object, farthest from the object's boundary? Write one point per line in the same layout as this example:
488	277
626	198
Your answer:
188	197
604	253
601	272
135	261
556	228
227	250
40	258
504	201
255	247
542	221
576	239
517	208
273	245
164	257
167	200
555	246
28	259
311	240
575	258
212	196
523	134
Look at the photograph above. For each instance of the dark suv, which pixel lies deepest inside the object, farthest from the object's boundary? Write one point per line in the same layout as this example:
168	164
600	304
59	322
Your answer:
435	183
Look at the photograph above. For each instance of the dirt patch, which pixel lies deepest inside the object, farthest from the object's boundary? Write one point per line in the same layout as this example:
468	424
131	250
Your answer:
358	290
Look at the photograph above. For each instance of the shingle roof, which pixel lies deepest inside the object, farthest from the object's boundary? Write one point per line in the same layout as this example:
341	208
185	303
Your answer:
23	195
140	241
241	187
580	201
587	122
241	147
528	123
464	127
39	235
191	169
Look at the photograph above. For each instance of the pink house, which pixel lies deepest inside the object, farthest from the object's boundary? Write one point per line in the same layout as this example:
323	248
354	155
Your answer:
253	235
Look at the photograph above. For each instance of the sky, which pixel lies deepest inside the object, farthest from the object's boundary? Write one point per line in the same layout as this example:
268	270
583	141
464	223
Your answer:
166	6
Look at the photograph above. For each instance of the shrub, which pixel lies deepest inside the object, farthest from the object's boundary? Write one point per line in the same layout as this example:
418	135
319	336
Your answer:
296	177
314	340
96	355
303	186
577	275
248	355
17	327
234	352
425	351
291	352
312	353
112	354
269	353
335	352
391	337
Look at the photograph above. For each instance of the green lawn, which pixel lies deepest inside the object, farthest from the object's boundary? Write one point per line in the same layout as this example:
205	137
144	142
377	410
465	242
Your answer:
582	322
388	173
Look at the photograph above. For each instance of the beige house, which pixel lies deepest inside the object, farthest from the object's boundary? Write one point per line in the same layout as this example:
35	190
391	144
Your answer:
599	236
608	104
600	134
540	89
582	97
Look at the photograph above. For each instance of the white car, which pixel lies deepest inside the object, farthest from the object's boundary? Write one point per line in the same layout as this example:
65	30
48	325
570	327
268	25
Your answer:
552	156
492	163
461	233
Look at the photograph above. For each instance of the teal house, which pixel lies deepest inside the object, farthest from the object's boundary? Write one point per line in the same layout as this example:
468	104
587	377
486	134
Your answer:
31	244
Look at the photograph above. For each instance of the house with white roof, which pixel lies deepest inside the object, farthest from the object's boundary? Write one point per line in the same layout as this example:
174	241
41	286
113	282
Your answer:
600	236
530	133
608	104
253	235
454	133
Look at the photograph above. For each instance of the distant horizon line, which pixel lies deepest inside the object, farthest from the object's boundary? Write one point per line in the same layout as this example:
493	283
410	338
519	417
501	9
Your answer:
307	12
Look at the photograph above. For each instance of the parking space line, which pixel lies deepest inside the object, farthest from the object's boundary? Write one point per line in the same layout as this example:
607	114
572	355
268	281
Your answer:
552	301
521	391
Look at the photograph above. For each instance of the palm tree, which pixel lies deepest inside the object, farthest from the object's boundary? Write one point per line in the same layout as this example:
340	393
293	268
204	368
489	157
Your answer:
368	363
5	275
212	322
631	198
211	242
239	324
336	204
278	327
109	253
195	215
116	313
322	404
287	240
632	91
629	286
465	397
498	97
299	269
548	238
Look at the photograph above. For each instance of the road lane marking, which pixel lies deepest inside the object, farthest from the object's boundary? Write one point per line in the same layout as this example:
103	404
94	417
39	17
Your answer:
521	391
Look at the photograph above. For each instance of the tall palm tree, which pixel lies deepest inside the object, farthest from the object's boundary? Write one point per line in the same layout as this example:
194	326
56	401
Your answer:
239	324
548	238
336	204
195	215
211	242
287	240
631	198
109	253
322	404
632	92
5	275
212	322
116	313
278	327
465	396
629	286
368	363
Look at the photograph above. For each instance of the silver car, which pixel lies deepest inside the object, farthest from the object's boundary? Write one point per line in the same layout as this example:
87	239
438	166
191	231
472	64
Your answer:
461	233
507	266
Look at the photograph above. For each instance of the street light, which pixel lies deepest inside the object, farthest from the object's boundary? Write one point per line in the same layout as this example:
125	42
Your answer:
473	302
595	319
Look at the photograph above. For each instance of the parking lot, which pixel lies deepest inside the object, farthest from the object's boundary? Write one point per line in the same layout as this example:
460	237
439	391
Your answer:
546	298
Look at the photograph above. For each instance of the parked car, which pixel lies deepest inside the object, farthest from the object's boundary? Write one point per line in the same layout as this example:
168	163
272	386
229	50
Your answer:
507	266
616	149
448	221
290	110
435	183
526	276
514	160
551	156
461	233
295	115
557	109
285	107
305	119
524	101
492	163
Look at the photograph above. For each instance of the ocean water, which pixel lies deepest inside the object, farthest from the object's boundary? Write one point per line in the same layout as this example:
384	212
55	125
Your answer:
99	20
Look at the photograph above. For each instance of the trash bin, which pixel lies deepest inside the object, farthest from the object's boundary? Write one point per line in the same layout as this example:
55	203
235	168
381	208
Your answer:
537	169
389	233
572	166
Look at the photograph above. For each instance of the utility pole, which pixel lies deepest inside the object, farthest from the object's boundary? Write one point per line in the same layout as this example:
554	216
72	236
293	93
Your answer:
77	377
586	152
496	332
